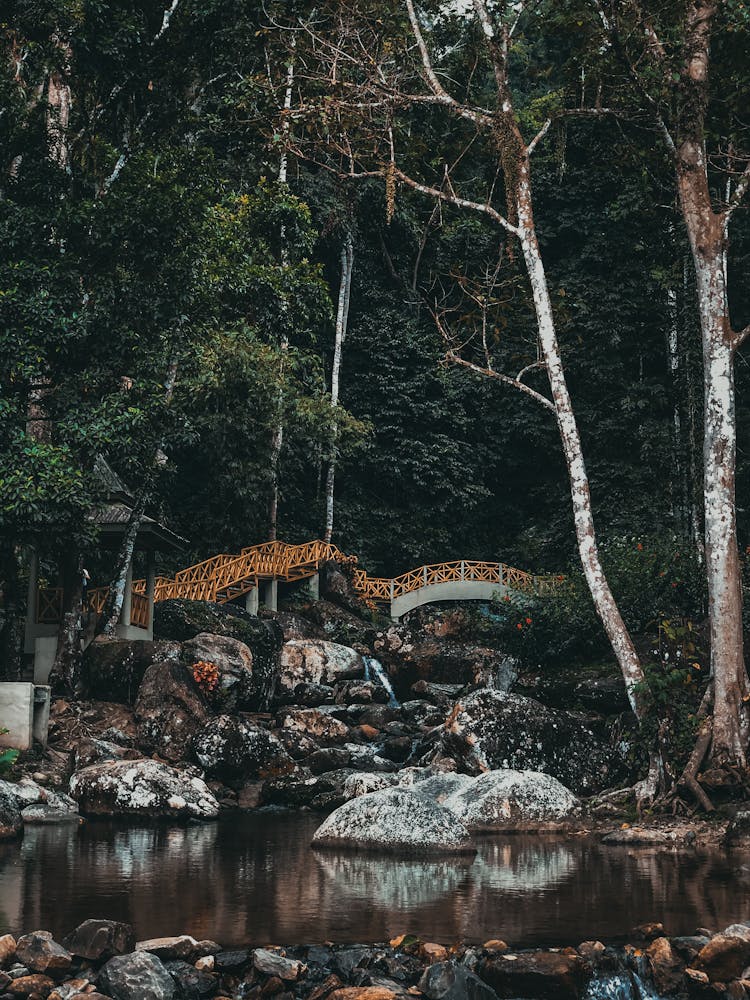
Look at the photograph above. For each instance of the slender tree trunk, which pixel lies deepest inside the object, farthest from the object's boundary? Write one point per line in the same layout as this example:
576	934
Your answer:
342	317
277	434
116	595
580	492
65	669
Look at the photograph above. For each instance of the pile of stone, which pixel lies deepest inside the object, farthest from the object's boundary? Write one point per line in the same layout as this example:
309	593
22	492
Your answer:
101	960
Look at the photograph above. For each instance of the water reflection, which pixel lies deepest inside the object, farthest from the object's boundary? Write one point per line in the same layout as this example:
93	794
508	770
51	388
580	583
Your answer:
254	878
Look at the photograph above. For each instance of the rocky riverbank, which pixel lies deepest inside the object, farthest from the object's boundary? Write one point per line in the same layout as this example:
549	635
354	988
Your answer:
101	960
225	710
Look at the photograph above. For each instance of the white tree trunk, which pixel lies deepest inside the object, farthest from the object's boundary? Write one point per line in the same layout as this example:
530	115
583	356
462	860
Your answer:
342	317
605	604
277	434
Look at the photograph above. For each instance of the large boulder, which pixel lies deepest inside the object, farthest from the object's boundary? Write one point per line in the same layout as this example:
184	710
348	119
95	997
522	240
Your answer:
112	669
184	620
321	791
316	724
491	730
511	800
449	981
11	824
726	955
236	687
315	661
139	976
169	711
394	820
230	748
141	787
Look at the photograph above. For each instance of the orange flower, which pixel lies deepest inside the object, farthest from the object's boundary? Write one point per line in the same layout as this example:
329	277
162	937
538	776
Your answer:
640	547
528	621
520	625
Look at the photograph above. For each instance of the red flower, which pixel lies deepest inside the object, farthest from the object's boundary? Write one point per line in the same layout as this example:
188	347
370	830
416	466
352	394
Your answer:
640	547
520	625
528	621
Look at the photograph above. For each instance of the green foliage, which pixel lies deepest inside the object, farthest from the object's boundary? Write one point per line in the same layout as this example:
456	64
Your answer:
7	759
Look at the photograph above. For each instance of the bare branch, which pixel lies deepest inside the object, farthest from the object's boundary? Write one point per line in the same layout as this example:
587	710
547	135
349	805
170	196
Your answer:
165	21
529	368
738	339
453	199
539	136
500	377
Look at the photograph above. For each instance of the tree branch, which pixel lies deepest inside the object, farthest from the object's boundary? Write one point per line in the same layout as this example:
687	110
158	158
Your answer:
453	199
500	377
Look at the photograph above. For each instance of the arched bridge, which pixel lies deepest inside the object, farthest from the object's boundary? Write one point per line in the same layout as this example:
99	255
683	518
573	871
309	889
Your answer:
225	577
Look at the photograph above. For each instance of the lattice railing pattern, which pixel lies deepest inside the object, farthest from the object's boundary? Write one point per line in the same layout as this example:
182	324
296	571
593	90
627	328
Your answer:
224	577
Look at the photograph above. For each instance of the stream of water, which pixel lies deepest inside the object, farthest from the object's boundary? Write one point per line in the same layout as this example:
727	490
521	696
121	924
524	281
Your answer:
253	878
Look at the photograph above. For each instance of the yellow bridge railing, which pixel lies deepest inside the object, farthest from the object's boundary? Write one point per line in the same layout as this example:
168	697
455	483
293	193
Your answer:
224	577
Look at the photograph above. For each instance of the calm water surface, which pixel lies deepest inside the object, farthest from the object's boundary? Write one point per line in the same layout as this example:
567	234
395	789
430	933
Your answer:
253	878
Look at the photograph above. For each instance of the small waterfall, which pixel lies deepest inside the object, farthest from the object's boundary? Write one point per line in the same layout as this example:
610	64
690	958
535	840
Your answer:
374	671
620	986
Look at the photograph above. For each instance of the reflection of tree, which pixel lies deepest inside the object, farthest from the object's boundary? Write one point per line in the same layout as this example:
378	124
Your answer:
255	879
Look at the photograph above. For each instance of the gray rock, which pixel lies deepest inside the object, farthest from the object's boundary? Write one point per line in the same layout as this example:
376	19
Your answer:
234	663
192	983
316	661
490	730
112	669
146	787
270	963
138	976
169	710
230	748
11	824
448	981
511	800
738	831
394	820
314	723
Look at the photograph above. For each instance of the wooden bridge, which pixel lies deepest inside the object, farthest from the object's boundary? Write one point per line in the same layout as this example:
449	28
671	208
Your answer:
225	577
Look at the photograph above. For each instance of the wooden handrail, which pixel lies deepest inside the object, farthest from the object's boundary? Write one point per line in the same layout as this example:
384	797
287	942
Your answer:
224	577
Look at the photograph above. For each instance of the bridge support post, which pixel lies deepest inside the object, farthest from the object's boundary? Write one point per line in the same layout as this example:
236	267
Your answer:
251	601
313	586
271	595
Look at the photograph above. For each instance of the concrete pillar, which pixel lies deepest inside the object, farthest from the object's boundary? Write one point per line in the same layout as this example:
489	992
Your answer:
127	600
251	601
271	595
313	586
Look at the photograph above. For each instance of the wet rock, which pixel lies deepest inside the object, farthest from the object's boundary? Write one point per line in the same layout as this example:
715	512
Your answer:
666	965
738	831
544	975
360	692
448	981
726	955
95	751
689	946
233	959
323	791
169	710
192	983
11	824
271	963
328	759
7	950
99	940
314	723
317	661
35	985
512	800
413	655
40	953
309	695
120	788
395	820
364	783
138	976
56	808
640	836
489	730
112	669
363	993
181	946
234	663
230	748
